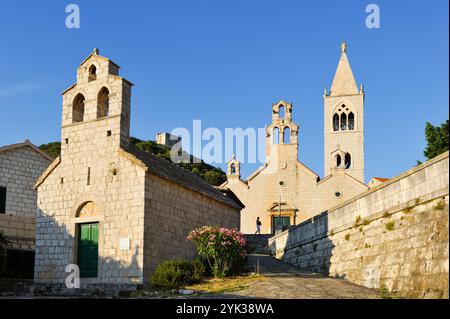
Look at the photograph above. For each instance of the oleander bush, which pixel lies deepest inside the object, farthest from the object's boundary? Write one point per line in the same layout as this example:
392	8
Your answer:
222	248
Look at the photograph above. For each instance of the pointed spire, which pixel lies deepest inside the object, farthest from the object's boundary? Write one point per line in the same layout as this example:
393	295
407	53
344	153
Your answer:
344	82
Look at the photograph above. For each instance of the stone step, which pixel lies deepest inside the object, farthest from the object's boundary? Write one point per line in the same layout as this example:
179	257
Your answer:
258	244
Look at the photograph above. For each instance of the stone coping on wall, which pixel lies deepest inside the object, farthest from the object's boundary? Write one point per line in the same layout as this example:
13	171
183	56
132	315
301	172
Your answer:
424	198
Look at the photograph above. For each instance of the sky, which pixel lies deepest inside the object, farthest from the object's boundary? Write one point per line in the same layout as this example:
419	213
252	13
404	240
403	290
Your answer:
226	62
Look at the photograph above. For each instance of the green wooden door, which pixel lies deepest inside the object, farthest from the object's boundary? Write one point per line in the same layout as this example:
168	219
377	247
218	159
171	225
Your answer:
88	250
280	221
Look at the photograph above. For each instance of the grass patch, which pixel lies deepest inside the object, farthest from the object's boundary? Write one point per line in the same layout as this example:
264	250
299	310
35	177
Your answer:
357	220
347	236
439	205
390	225
366	222
385	293
408	209
386	214
227	284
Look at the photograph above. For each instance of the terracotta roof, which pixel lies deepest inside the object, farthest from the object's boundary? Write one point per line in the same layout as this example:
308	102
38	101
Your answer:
25	143
174	173
381	179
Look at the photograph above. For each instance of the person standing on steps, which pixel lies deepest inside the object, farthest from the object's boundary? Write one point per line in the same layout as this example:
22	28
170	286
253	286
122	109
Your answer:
258	226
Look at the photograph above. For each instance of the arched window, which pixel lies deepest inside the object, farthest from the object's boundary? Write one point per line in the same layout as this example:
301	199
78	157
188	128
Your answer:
343	121
348	160
276	135
351	121
233	169
78	108
287	135
335	122
103	103
338	160
281	112
92	73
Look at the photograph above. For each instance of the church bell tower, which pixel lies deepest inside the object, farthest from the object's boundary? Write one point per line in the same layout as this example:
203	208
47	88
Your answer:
344	122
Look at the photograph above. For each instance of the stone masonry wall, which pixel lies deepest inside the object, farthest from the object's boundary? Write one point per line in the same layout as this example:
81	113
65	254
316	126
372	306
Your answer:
172	212
395	235
119	201
18	230
19	169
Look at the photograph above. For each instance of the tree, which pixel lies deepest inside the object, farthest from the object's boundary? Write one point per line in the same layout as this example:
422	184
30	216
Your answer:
52	149
437	139
214	177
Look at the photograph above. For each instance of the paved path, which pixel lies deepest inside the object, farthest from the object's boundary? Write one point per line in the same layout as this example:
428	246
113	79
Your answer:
286	281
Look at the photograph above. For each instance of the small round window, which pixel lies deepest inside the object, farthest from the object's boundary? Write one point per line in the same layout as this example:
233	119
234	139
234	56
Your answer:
281	183
338	194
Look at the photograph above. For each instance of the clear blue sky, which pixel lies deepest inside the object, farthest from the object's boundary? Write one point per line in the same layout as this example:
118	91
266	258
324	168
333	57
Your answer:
226	62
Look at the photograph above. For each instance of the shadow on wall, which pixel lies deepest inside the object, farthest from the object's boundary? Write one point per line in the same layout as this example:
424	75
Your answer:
56	248
315	249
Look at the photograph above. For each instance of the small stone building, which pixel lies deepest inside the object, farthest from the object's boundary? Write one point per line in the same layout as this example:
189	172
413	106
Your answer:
284	191
167	139
20	166
110	208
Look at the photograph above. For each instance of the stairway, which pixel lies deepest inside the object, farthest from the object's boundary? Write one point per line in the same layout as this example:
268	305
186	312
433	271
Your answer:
258	244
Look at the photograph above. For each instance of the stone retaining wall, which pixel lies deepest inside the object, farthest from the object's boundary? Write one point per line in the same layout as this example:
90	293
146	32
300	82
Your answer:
394	235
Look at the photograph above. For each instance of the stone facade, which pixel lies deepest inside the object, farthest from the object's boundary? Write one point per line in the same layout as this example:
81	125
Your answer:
394	235
285	187
144	206
20	166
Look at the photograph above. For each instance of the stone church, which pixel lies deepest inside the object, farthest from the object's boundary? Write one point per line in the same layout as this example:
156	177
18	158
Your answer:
105	205
284	191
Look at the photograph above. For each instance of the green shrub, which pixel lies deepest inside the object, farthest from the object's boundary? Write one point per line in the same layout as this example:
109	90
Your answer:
198	270
175	273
